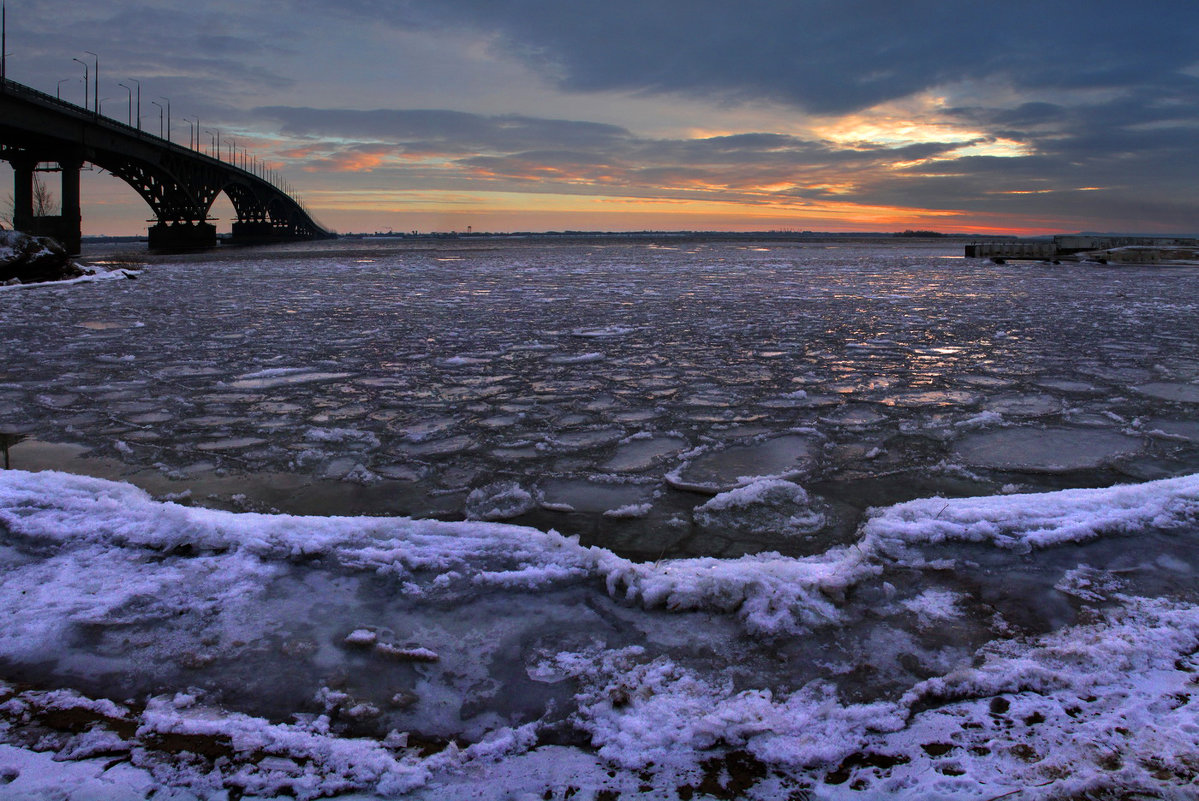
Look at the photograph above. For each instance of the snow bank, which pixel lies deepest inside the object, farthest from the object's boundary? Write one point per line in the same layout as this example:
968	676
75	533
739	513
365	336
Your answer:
1107	702
1040	520
1096	706
770	593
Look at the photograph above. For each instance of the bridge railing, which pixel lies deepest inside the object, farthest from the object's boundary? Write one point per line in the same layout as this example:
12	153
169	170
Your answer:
9	86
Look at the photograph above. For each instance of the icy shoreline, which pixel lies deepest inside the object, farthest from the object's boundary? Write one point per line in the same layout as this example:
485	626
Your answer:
660	672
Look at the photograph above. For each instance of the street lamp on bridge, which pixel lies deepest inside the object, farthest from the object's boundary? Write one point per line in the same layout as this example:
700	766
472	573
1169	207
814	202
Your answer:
95	82
58	89
160	111
86	80
139	100
160	97
130	91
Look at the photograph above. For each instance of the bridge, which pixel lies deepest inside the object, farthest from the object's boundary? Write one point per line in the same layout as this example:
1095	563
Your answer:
178	183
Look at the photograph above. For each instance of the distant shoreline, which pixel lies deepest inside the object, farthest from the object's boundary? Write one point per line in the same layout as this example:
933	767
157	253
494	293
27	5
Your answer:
783	235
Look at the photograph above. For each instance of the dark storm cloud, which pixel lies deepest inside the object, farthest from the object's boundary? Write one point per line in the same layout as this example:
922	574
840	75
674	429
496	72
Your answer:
826	56
204	58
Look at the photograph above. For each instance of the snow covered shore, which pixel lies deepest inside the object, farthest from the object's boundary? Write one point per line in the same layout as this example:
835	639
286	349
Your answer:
152	648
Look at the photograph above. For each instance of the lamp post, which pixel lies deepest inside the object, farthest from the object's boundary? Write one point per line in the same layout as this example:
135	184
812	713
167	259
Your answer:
86	80
95	82
160	111
191	132
232	151
58	89
160	97
130	91
139	101
212	140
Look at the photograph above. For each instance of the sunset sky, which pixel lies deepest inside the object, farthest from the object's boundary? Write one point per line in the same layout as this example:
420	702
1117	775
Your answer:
502	115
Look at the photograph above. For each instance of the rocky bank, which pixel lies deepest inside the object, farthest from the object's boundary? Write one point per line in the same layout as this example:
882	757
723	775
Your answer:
29	259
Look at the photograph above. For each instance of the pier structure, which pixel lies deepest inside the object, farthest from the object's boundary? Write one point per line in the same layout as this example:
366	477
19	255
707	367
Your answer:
1150	249
39	132
1015	249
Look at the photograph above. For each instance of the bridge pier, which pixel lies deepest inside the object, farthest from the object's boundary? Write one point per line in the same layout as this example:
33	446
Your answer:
182	235
65	227
70	225
22	193
253	232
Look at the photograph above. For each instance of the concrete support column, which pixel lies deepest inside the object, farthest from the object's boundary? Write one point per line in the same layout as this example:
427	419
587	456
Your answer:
22	194
71	228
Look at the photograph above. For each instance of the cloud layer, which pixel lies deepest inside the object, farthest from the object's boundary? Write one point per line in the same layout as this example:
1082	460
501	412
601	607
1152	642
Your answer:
1059	115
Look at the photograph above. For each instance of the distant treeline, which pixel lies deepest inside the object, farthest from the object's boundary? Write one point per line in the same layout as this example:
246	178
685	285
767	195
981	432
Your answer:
719	235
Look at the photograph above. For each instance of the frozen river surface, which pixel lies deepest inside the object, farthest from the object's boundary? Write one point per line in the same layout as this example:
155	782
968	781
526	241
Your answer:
582	386
719	518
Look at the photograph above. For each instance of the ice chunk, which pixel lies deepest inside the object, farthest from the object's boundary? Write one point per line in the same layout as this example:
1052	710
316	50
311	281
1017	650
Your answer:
441	447
582	440
1068	386
230	444
1182	429
270	379
766	506
630	512
603	332
933	606
1048	450
361	638
642	454
1181	393
352	436
502	500
582	358
721	470
1021	405
591	496
932	397
853	416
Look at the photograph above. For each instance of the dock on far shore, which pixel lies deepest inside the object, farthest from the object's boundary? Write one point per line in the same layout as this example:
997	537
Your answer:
1097	249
